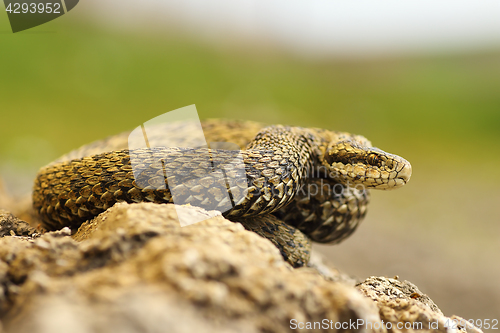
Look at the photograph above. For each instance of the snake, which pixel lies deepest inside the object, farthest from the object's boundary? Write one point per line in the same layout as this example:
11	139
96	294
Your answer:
292	185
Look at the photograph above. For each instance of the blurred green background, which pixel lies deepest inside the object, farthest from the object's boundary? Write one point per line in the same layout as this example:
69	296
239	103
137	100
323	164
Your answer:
70	82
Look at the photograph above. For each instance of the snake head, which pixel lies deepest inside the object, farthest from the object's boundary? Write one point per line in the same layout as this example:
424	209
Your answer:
350	161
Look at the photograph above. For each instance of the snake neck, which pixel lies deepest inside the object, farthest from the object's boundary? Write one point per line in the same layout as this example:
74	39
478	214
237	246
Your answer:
277	162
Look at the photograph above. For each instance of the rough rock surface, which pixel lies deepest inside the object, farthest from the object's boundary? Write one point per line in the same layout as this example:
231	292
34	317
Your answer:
12	226
134	269
401	302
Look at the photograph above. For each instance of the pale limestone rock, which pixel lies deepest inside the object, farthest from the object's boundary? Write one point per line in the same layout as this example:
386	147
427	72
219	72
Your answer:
401	302
134	269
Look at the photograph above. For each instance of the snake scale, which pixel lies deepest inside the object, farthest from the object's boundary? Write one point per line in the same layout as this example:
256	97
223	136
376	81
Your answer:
297	184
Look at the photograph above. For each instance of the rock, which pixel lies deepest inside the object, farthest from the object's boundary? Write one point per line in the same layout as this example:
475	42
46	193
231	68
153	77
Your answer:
319	263
12	226
402	303
135	269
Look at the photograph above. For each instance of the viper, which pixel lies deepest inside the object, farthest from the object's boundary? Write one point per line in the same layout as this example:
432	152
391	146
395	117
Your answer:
288	184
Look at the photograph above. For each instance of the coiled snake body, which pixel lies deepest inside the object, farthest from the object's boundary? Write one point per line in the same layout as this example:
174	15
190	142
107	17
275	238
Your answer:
294	181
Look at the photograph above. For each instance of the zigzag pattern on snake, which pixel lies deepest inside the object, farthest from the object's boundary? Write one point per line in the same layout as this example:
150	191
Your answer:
297	183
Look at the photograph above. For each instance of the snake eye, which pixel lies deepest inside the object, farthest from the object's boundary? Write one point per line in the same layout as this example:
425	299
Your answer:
372	159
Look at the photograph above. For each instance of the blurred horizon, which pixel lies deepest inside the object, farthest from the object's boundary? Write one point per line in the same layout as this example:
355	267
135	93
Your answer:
103	69
321	28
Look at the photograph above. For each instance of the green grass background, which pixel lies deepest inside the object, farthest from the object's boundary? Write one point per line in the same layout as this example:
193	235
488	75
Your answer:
70	82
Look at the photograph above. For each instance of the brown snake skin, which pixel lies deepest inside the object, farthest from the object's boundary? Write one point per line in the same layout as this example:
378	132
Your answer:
315	180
